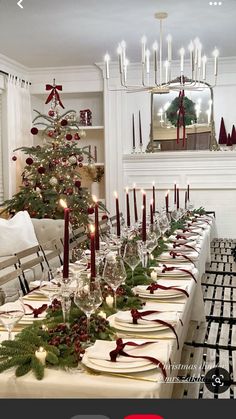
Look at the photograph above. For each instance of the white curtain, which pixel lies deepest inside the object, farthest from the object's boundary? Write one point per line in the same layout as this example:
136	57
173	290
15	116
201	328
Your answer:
18	122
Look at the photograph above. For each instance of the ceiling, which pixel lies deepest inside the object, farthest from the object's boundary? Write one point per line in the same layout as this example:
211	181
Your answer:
48	33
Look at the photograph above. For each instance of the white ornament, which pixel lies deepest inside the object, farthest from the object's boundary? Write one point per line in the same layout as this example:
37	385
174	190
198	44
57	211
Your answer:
82	133
72	159
53	181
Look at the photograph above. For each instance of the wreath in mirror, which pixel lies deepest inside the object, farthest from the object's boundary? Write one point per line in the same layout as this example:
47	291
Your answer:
190	116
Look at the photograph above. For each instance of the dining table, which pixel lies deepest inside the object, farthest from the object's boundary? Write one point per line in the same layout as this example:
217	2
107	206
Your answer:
83	382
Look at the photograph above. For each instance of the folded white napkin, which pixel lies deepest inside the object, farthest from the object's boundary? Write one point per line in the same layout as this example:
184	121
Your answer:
126	317
142	289
102	348
166	255
35	284
189	267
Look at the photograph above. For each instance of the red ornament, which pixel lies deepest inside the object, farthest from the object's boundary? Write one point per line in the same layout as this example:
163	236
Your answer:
64	122
76	136
56	161
29	161
69	137
80	164
69	191
90	210
34	131
77	183
50	133
33	214
14	158
51	112
80	158
41	170
104	217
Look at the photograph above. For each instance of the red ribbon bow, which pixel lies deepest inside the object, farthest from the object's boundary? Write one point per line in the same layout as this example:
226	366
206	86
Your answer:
36	311
185	245
175	254
174	268
119	350
54	93
153	287
181	117
137	315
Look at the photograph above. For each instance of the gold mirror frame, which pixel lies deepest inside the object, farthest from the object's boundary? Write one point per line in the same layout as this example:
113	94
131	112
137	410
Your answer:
155	144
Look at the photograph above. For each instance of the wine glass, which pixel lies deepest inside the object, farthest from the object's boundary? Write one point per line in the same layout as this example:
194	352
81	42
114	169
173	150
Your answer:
114	273
11	312
132	256
88	296
163	223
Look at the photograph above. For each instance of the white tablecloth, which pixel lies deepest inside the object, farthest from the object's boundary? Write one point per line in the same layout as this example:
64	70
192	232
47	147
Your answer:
79	384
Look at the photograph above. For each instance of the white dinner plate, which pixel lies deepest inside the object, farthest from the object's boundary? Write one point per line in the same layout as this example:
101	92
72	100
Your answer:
135	327
113	369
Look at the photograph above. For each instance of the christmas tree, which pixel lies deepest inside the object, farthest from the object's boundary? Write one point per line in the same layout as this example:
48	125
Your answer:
52	170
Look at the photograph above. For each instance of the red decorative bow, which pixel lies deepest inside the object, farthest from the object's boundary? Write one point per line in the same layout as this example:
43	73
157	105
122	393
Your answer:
137	315
181	117
180	236
119	350
185	245
175	254
174	268
54	93
36	311
153	287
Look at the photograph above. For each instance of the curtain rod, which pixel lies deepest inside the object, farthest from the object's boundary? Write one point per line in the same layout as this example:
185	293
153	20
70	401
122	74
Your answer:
7	74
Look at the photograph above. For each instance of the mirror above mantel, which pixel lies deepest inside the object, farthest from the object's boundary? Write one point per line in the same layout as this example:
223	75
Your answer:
198	114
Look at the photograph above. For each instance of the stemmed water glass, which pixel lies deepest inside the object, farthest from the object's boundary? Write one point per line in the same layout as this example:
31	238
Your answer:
163	223
114	273
11	312
132	255
88	296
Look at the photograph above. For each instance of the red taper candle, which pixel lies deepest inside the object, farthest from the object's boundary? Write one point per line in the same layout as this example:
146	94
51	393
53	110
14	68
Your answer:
153	197
66	240
135	205
186	199
175	186
117	215
92	250
127	207
167	202
188	192
177	198
97	241
151	212
144	226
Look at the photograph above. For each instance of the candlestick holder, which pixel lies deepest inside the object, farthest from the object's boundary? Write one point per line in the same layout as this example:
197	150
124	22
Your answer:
133	150
65	296
143	251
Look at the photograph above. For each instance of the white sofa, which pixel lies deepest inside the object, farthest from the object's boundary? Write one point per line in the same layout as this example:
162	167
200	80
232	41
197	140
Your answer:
45	230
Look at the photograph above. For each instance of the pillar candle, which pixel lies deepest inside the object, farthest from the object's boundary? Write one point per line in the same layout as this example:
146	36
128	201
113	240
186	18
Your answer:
177	198
175	193
167	202
135	205
97	242
41	355
188	192
117	215
151	212
92	250
144	227
153	197
66	240
127	207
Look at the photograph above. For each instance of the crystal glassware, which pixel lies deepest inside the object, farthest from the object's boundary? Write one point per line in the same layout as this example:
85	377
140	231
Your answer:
132	255
114	273
11	312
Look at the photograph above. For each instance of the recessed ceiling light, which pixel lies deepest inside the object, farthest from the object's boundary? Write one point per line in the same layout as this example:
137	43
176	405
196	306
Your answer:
215	3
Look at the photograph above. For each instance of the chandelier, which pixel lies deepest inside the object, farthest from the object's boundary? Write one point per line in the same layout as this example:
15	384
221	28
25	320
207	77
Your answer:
156	74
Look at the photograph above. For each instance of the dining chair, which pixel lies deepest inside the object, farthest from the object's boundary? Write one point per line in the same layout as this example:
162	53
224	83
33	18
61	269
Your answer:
31	261
11	275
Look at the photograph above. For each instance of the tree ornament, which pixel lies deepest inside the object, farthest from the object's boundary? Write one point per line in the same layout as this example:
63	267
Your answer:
56	162
82	134
104	217
34	131
29	161
64	122
80	159
53	181
76	136
41	170
90	210
78	184
80	164
51	113
50	134
14	158
69	191
69	137
72	160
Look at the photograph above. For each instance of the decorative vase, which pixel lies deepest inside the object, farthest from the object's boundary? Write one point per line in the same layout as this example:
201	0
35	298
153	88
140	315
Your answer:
95	189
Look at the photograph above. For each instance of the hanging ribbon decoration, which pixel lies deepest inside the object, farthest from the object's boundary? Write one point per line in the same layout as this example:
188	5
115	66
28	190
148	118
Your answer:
181	118
54	94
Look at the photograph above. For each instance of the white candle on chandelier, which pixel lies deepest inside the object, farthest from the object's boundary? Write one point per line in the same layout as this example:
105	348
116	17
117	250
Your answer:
169	47
143	42
191	49
126	63
215	55
182	52
119	52
204	60
123	51
199	59
155	48
148	61
167	70
107	59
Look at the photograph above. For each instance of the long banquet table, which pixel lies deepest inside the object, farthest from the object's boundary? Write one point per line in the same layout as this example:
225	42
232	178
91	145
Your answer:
78	383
